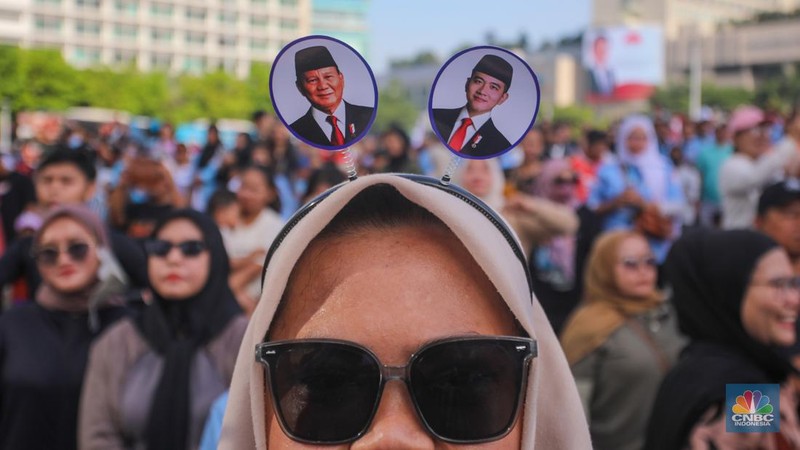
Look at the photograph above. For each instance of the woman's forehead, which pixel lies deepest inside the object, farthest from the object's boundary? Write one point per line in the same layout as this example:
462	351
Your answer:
402	282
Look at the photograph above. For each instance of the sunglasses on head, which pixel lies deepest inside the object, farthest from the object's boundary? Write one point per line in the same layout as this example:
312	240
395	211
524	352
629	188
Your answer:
465	389
48	255
635	263
161	248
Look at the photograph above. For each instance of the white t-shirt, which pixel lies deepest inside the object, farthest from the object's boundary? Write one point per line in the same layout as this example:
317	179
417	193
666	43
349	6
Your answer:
244	239
742	179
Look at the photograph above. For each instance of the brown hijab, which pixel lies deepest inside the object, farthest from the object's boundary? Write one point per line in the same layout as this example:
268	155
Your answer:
604	308
553	418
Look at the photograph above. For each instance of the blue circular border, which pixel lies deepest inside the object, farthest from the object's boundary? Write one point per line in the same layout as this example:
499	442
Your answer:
287	125
436	81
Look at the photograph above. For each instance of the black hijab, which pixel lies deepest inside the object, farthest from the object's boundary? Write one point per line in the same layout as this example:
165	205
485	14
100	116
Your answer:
177	328
710	272
210	149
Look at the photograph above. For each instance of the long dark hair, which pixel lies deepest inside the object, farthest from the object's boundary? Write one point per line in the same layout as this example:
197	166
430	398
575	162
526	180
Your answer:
269	179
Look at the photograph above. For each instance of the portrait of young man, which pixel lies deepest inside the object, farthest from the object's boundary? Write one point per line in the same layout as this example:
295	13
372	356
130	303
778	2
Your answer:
602	77
469	130
330	120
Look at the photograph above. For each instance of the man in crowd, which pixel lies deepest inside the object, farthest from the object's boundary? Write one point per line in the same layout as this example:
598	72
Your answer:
587	162
469	129
779	216
709	162
752	166
330	121
16	193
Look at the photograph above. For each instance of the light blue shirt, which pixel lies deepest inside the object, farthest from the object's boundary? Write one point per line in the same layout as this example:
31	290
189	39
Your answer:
213	428
612	182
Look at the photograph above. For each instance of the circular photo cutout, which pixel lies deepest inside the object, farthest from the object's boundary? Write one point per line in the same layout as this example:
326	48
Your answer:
483	101
324	92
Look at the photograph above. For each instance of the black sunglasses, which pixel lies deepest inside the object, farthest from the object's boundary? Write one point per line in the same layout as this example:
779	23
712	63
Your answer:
635	263
569	180
48	256
465	389
161	248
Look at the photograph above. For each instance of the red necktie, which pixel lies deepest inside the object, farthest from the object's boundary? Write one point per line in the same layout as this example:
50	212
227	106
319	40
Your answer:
457	141
337	138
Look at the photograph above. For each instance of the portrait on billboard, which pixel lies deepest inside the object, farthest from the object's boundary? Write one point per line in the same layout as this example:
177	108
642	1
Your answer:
622	63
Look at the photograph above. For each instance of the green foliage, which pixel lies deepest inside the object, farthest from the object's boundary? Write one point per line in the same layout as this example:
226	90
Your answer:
780	93
394	107
48	82
676	97
42	80
258	85
575	115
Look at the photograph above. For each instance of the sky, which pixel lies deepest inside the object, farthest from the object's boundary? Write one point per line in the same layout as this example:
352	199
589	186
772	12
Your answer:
400	29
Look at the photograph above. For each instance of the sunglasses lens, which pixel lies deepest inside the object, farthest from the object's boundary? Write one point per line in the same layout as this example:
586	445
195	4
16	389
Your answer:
157	247
47	256
77	252
468	390
325	392
191	248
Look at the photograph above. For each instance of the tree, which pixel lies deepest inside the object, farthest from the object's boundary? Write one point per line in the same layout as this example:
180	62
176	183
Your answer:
676	97
10	73
395	107
258	86
49	82
779	93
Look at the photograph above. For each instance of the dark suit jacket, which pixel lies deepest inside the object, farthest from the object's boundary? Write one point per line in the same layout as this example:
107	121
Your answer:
358	116
491	142
594	76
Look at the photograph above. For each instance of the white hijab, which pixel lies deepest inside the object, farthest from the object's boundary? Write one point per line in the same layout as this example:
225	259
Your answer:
494	197
650	163
553	417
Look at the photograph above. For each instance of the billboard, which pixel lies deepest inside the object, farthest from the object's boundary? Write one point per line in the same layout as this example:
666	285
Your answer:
623	63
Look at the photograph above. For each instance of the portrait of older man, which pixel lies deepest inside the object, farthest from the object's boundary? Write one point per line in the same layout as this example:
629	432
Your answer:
469	130
330	120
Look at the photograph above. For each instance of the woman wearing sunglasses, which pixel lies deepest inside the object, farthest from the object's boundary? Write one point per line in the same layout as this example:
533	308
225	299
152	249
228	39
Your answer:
44	344
152	380
737	300
557	263
397	313
621	340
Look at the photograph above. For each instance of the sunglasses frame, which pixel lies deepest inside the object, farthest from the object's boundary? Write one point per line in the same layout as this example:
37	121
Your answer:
267	352
37	253
638	263
180	245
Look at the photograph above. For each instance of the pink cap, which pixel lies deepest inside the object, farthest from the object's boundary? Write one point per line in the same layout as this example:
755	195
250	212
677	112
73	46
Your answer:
744	118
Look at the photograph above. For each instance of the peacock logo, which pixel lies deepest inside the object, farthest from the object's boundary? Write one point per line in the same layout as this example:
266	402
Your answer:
752	402
752	408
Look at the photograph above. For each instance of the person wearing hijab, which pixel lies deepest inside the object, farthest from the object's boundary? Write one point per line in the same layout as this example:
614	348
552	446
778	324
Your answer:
737	301
639	183
535	219
556	264
621	340
389	266
207	164
44	344
151	381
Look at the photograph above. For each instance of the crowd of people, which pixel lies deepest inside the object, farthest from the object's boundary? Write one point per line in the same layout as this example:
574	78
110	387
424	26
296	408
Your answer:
665	255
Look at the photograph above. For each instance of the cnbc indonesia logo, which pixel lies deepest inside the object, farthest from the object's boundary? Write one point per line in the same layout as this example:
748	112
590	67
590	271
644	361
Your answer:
753	410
